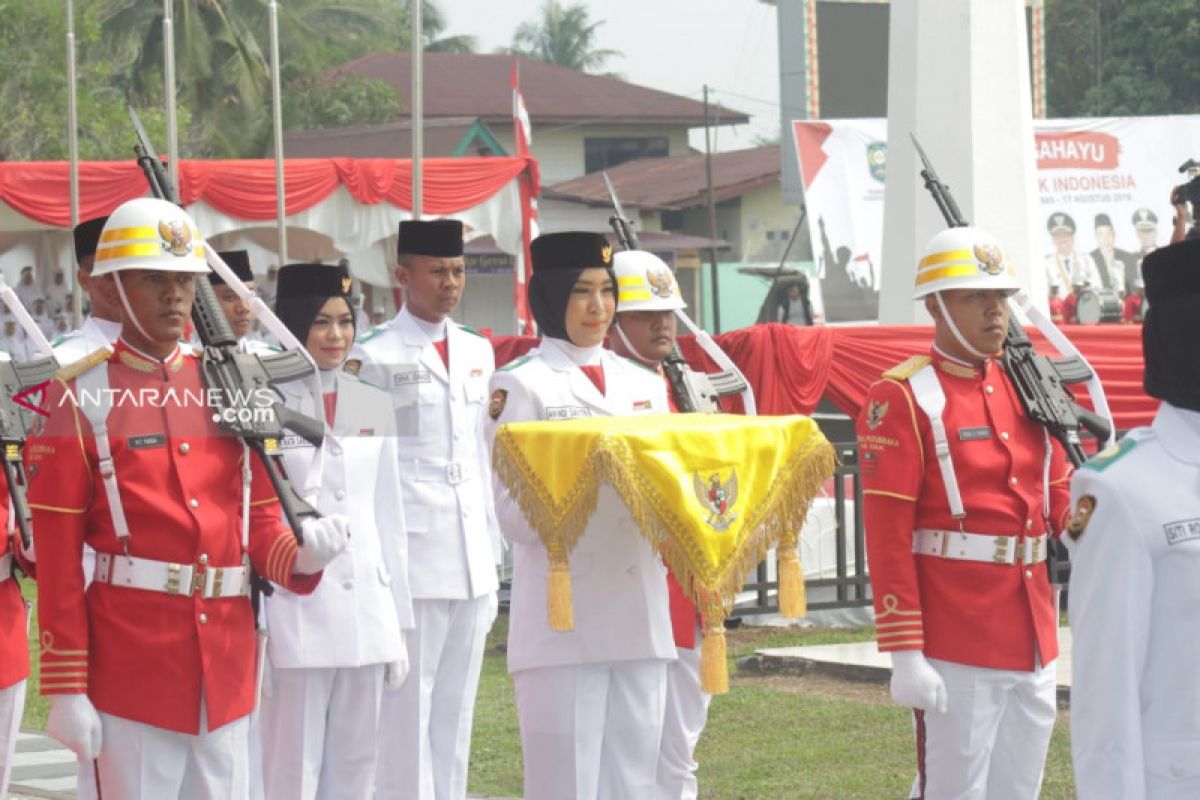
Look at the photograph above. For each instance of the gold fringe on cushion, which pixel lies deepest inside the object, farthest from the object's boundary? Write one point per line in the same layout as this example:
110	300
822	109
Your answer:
781	513
560	607
792	600
714	674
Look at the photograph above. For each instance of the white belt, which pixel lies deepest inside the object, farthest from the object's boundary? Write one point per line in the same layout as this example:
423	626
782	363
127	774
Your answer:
177	579
451	472
966	546
5	567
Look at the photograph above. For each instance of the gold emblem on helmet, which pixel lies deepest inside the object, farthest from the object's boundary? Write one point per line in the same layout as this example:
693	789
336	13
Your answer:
990	258
176	237
606	253
661	282
346	285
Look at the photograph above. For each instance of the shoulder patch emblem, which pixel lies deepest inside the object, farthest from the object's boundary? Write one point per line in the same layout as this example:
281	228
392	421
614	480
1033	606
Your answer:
876	411
1084	508
906	369
496	406
352	365
1110	455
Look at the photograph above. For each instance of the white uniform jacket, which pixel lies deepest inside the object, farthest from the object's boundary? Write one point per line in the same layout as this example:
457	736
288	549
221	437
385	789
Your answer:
453	539
619	586
94	334
355	615
1135	615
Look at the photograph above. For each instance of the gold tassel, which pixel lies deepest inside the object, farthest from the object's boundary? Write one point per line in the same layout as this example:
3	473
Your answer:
560	609
714	673
792	600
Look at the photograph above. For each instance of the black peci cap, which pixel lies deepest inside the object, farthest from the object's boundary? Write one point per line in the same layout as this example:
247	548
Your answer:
441	238
1060	222
570	250
1170	346
1103	220
312	280
87	237
236	260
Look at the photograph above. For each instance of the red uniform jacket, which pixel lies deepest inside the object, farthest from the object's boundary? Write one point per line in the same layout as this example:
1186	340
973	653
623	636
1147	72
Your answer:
14	633
138	654
968	612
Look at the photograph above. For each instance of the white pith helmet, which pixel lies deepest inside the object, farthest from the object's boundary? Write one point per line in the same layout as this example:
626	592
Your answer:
964	258
148	233
645	283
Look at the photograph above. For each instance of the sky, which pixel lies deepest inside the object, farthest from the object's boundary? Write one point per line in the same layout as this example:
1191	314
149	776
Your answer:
674	45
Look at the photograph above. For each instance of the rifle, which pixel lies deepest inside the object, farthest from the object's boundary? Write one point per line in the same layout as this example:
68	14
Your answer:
15	423
239	378
1041	382
694	391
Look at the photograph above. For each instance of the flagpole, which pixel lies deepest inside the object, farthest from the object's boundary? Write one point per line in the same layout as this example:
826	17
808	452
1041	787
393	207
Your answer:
73	154
277	122
169	94
418	111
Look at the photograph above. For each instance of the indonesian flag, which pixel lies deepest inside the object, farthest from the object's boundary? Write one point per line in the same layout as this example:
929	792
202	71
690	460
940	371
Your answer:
522	135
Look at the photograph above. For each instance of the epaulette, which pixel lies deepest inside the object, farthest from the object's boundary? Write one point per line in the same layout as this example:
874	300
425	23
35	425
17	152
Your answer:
76	368
513	364
470	330
906	369
1110	455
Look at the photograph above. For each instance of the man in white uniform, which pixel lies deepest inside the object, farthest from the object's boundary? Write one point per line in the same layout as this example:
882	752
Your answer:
27	288
1135	579
437	372
237	310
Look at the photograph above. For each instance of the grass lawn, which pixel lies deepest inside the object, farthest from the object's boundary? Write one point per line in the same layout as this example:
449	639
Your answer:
770	738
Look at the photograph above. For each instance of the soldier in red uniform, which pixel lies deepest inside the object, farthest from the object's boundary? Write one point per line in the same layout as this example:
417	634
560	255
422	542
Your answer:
961	491
643	331
152	671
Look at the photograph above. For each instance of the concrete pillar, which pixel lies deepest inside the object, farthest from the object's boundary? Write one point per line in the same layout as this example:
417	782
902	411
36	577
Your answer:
958	78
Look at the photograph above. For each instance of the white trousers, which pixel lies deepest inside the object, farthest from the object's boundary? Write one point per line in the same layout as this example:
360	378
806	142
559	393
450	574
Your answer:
425	727
12	706
144	762
687	711
319	729
992	741
591	731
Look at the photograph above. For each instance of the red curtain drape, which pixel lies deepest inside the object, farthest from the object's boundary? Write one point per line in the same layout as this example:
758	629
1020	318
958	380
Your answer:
246	189
791	368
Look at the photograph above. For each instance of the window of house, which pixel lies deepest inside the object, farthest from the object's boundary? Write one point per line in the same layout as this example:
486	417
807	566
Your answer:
605	152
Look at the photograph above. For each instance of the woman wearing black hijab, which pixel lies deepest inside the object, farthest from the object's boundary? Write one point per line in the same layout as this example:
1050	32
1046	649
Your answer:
591	700
334	652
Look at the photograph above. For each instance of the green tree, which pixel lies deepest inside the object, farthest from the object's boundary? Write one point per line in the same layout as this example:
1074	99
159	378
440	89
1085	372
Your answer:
563	35
346	101
1110	57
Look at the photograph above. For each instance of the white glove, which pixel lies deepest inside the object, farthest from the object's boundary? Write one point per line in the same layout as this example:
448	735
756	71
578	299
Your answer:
324	540
394	673
74	722
915	683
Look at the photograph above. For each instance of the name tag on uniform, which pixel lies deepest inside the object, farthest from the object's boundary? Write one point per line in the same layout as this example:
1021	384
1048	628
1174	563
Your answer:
147	441
292	442
1185	530
411	377
567	412
641	405
974	434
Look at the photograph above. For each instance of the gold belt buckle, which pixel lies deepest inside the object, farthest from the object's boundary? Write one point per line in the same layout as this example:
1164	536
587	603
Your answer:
197	581
173	571
1001	555
1037	546
218	576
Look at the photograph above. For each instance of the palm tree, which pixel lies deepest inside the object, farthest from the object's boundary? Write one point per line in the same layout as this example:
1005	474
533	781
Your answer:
433	23
564	35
